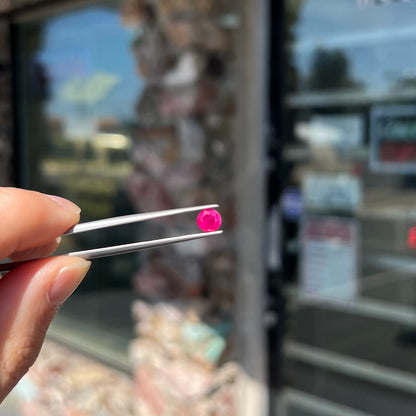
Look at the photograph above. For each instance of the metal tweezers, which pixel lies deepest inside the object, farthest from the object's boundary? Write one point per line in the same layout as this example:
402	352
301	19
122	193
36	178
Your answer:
126	248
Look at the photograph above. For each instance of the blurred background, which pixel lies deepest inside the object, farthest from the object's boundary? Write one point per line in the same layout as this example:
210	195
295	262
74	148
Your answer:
298	117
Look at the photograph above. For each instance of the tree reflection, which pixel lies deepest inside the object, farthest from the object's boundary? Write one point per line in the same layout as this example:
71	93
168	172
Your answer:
330	70
404	83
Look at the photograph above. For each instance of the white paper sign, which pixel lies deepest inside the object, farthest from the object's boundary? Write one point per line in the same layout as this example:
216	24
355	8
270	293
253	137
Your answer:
329	257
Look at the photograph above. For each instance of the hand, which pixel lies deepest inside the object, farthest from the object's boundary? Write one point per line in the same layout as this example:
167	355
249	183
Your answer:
31	294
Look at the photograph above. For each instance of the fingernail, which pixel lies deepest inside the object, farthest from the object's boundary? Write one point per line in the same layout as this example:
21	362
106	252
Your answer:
66	281
65	203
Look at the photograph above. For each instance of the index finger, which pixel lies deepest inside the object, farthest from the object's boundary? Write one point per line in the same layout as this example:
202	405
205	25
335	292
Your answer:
30	219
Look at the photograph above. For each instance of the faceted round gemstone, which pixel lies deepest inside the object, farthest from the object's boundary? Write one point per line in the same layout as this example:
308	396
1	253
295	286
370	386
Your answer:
209	220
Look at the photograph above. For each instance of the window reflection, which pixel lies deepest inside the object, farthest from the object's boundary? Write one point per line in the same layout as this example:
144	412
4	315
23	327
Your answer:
80	94
79	88
351	47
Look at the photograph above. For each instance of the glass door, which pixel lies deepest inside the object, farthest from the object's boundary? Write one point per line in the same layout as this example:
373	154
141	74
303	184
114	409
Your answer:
347	208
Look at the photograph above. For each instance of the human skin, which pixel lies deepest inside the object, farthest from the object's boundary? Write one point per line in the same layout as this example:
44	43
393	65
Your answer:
32	293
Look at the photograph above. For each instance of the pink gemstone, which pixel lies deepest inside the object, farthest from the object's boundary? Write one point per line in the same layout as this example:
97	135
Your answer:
209	220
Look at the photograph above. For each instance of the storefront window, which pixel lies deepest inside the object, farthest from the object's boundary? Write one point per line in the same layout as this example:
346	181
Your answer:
347	207
128	107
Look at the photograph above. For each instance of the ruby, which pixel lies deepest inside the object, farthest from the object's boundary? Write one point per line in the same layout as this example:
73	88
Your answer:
209	220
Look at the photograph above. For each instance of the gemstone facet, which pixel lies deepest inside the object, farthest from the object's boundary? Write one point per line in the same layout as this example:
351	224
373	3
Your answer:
209	220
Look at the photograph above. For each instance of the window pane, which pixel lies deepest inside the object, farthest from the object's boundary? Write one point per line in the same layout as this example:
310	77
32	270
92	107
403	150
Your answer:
352	45
79	87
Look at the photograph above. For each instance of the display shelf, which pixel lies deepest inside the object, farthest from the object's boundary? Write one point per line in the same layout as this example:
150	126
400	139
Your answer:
91	342
353	367
313	405
302	154
404	315
347	98
400	209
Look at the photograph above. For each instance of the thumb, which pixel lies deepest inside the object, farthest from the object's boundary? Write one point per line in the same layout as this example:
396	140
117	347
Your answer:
30	296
